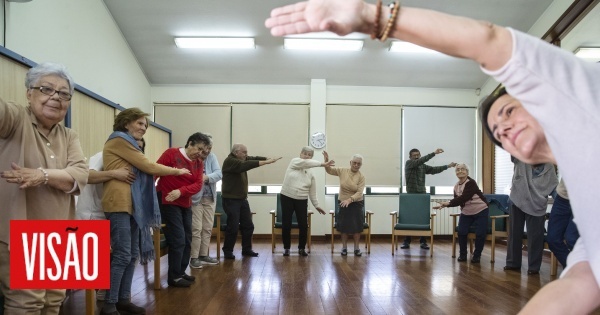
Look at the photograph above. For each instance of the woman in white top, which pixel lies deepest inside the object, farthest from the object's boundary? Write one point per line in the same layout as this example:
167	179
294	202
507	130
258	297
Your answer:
298	186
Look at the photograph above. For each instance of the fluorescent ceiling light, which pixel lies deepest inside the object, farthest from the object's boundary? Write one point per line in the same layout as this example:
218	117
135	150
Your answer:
322	44
406	47
215	42
588	53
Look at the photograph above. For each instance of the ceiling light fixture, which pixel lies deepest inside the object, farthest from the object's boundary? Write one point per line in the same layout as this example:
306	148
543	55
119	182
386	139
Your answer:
215	42
588	53
406	47
322	44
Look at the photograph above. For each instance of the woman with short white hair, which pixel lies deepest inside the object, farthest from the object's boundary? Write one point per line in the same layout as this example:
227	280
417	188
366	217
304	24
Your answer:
350	218
473	211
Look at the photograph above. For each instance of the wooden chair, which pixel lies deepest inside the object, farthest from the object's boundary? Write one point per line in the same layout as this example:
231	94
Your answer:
413	218
497	227
161	249
366	225
276	224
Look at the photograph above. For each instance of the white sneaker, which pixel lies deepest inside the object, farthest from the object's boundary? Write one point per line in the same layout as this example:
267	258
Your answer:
195	263
208	260
100	295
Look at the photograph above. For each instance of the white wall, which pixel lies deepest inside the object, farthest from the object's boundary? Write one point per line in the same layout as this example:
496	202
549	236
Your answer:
83	36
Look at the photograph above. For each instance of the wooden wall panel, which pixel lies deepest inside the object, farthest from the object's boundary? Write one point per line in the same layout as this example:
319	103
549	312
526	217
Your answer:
157	141
12	76
93	121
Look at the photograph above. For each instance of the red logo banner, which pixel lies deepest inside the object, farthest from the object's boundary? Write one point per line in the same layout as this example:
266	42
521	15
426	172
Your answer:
59	254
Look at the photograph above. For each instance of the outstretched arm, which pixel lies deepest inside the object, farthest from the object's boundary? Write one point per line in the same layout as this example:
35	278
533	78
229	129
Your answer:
483	42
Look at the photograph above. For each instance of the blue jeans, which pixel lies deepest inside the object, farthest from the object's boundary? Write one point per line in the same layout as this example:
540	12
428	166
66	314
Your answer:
481	225
125	244
562	231
239	217
178	232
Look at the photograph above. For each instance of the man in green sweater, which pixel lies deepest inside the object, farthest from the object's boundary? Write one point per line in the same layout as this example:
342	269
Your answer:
234	190
416	169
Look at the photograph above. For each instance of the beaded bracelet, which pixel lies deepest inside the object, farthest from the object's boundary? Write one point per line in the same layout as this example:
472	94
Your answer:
45	175
375	32
395	8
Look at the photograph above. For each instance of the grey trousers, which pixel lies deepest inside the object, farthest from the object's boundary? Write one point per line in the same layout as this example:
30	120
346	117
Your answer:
535	239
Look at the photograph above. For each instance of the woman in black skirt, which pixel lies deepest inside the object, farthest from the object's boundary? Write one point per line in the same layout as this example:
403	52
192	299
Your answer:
350	218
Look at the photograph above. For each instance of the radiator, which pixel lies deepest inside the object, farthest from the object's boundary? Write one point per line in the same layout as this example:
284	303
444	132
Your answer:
442	222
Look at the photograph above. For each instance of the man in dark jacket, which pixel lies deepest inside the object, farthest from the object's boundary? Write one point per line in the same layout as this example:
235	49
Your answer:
235	198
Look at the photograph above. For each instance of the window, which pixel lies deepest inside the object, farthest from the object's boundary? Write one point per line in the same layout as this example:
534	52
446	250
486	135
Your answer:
503	171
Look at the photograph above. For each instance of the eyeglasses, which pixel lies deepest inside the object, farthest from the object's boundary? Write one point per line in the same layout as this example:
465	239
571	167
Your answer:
62	95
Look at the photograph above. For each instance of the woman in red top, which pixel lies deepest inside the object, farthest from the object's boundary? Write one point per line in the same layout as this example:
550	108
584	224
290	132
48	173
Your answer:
175	201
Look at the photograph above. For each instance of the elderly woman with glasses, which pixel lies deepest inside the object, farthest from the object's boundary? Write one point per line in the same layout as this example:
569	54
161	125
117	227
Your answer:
47	169
474	210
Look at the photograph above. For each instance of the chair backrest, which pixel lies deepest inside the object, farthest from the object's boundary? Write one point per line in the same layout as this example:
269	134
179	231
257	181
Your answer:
414	209
219	209
279	217
496	206
336	204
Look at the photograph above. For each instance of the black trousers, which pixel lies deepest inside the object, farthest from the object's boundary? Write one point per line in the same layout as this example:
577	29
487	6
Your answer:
288	207
239	217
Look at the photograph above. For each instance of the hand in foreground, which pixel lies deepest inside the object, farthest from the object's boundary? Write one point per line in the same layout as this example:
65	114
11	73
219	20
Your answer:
24	177
173	195
338	16
345	203
321	211
124	174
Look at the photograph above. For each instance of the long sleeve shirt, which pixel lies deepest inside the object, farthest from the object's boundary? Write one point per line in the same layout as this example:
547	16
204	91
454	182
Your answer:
352	183
213	171
23	144
188	185
561	92
299	181
469	197
235	178
415	173
119	153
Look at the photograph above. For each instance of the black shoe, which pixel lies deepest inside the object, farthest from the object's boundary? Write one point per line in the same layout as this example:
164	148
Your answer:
180	283
357	253
302	252
229	255
130	308
188	277
475	259
533	272
424	246
344	252
512	268
462	258
250	253
405	246
286	252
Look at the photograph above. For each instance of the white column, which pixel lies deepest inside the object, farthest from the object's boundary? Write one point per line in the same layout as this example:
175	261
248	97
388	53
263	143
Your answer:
318	99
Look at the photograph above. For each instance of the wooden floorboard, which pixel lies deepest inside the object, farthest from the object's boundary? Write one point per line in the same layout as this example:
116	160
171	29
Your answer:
409	282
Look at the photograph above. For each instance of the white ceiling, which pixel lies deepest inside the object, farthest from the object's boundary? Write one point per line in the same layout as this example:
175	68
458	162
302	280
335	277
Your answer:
149	27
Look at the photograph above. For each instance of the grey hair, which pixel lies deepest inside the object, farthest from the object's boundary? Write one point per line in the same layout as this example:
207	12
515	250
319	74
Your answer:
465	165
47	68
307	149
236	147
210	143
357	156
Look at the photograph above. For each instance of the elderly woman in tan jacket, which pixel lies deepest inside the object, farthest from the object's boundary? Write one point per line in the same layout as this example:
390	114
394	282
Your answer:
131	209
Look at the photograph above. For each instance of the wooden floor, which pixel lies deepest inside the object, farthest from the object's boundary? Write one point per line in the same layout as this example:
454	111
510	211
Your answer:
408	283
